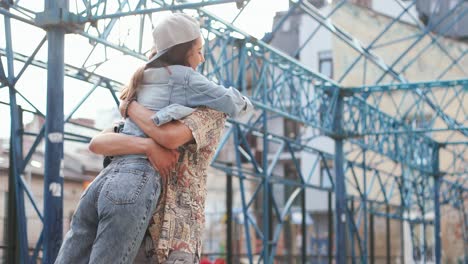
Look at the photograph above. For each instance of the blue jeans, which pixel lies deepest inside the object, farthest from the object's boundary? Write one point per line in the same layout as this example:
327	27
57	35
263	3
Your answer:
113	213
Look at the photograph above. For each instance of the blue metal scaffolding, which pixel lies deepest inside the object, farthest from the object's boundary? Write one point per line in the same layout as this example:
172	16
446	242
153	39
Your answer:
390	133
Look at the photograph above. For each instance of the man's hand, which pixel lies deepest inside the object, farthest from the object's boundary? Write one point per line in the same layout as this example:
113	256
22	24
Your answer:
163	160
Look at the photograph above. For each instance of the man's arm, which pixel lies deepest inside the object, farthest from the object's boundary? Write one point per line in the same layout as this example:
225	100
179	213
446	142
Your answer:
170	135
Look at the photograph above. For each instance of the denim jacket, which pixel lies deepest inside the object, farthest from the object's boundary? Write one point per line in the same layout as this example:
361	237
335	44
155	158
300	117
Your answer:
174	90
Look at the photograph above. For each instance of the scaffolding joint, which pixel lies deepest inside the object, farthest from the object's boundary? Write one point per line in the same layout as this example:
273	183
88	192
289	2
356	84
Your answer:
59	18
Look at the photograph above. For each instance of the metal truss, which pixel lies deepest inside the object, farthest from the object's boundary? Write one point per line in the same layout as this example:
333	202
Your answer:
389	137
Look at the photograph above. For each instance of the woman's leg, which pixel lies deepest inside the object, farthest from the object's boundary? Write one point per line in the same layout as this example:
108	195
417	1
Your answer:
78	241
125	206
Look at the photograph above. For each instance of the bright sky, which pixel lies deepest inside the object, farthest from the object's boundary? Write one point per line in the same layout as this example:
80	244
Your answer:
255	20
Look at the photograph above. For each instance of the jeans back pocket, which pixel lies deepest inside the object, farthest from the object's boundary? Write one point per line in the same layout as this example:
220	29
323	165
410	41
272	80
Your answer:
126	185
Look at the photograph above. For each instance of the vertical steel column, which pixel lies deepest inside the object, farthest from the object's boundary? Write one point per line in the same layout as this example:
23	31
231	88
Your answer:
16	218
388	236
266	190
351	245
437	179
11	224
464	226
271	230
266	185
424	236
20	239
304	225
229	216
340	193
402	238
364	211
237	130
288	239
372	239
53	178
330	227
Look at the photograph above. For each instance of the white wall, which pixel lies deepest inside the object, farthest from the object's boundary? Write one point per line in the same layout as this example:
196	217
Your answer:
322	41
393	9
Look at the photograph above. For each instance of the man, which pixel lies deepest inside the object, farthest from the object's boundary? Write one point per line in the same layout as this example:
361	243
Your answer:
176	228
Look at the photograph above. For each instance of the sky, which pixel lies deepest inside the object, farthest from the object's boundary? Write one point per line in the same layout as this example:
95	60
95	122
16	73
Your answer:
256	20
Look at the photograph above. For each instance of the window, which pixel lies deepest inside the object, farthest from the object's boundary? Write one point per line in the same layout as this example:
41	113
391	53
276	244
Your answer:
319	3
435	7
421	122
452	4
326	172
291	128
326	63
286	26
419	254
290	173
364	3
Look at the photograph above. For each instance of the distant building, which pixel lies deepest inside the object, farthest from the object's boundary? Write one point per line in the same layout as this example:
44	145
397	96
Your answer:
331	57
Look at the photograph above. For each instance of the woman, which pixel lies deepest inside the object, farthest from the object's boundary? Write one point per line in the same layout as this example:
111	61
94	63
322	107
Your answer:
113	213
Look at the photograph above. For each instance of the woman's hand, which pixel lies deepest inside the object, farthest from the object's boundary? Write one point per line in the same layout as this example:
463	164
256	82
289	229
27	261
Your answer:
163	160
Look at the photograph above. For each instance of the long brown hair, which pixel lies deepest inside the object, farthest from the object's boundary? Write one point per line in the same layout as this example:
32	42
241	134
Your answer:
176	55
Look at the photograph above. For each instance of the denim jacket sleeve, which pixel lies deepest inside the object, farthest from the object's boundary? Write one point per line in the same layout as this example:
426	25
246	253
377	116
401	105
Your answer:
171	112
203	92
